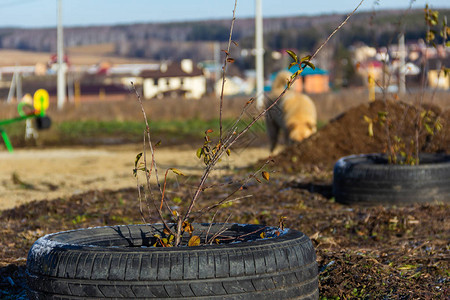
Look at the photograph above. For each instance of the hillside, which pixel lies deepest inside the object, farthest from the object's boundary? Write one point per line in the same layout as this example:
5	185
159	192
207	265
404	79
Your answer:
194	39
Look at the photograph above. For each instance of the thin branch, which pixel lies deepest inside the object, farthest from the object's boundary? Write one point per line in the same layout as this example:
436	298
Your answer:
261	114
246	234
239	118
231	138
145	194
210	225
147	128
219	153
224	67
140	202
163	200
147	175
216	157
221	230
337	29
386	83
225	200
199	188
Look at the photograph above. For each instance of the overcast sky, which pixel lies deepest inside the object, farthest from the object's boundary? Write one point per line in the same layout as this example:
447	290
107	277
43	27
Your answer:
42	13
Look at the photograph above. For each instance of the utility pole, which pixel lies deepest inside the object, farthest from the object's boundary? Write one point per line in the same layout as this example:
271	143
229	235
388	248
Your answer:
402	68
259	55
16	84
19	87
12	88
61	83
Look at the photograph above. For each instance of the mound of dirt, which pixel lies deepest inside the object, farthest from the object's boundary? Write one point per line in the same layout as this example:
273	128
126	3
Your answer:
348	134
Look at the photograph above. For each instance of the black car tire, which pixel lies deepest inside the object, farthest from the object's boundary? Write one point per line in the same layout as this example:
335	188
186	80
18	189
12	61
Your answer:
369	179
118	262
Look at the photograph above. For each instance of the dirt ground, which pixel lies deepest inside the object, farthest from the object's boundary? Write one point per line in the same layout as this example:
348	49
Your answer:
377	252
348	134
39	174
362	252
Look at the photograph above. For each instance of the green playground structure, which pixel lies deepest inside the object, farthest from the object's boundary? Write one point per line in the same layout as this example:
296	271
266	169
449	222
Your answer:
37	112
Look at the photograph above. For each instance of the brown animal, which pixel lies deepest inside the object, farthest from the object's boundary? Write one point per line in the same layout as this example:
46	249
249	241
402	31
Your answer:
294	114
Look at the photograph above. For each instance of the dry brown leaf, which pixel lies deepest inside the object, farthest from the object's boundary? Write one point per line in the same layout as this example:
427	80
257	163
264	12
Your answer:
194	241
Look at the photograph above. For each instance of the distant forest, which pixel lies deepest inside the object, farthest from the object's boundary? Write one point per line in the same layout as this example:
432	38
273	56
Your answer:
195	39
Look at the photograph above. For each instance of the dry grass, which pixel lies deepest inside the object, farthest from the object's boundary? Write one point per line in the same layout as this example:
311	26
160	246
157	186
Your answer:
96	49
129	110
126	108
86	55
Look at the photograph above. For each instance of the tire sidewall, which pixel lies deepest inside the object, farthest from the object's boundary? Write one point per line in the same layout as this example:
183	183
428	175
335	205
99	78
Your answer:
289	258
369	179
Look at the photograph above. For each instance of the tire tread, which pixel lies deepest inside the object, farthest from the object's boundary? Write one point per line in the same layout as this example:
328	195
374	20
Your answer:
277	269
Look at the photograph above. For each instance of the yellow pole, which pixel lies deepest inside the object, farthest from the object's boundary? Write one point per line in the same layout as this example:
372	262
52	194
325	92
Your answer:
371	84
101	94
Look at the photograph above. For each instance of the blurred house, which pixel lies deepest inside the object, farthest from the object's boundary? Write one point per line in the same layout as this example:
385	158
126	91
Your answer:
438	79
232	86
315	81
370	68
13	80
122	74
40	69
174	79
422	62
310	81
362	53
235	86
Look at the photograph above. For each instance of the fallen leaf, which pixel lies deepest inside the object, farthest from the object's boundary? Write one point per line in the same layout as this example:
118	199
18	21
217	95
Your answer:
194	241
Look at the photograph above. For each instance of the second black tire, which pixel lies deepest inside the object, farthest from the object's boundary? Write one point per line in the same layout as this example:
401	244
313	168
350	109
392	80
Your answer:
369	179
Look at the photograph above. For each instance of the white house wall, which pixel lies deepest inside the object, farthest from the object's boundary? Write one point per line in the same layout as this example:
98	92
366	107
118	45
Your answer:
162	84
230	88
195	86
150	89
174	83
